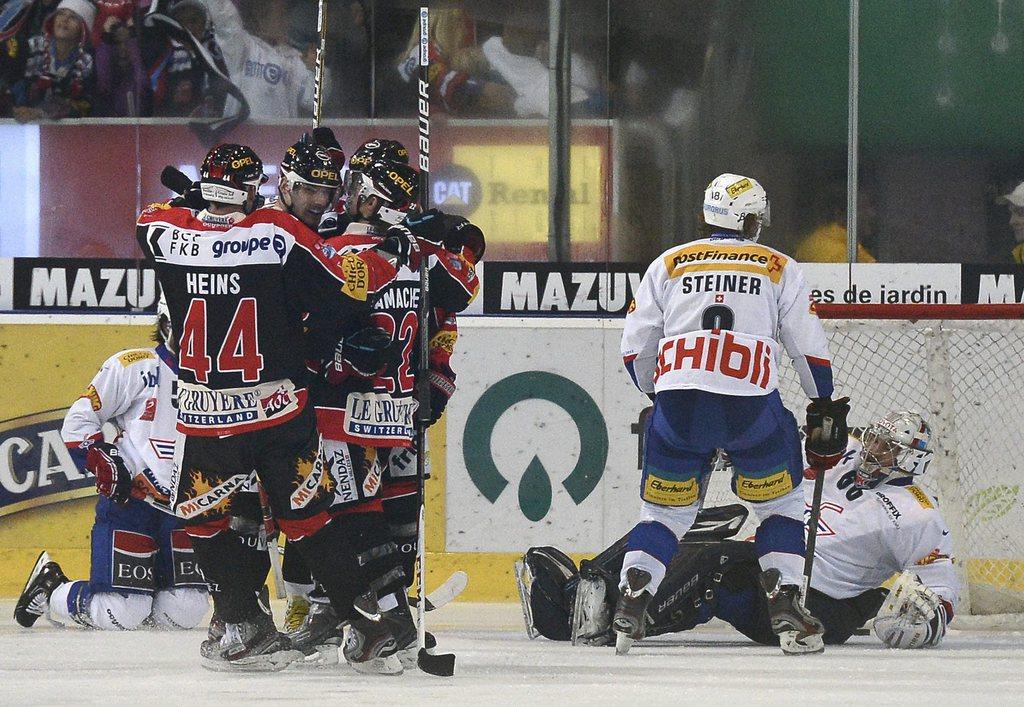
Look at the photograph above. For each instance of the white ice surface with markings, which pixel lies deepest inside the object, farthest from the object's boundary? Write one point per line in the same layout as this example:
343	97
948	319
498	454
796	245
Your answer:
497	664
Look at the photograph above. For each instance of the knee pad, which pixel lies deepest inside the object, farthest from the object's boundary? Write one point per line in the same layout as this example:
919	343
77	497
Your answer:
181	608
110	611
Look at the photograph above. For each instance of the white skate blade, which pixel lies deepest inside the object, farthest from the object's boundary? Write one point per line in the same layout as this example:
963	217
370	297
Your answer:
325	656
269	663
808	645
622	643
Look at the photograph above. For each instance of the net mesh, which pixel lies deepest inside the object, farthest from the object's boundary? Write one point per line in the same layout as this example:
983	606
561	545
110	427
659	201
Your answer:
964	377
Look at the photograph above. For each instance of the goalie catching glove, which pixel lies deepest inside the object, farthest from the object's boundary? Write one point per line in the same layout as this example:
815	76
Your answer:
912	616
827	432
113	479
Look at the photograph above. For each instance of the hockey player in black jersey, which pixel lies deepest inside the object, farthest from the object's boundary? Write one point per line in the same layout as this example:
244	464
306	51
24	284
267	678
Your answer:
238	282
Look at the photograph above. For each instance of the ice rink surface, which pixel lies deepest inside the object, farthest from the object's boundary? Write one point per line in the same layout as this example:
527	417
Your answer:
497	664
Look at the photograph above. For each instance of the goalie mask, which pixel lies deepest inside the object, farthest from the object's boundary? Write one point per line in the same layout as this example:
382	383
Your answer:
737	203
898	444
395	186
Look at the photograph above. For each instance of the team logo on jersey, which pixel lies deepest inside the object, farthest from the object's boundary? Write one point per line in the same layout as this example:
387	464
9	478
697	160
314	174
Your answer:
276	402
444	340
93	397
765	488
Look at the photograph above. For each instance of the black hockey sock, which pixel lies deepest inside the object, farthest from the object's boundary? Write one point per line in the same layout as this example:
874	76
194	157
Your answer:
403	514
350	556
294	568
235	568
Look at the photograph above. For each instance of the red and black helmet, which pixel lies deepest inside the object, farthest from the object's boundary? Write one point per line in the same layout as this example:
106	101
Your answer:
231	174
397	186
310	164
376	150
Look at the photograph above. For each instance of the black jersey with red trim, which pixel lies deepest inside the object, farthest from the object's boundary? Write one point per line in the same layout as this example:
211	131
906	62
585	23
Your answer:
237	288
380	411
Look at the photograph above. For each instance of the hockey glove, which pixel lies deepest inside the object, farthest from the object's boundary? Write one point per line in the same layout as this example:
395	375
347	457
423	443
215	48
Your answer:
442	385
464	234
827	433
912	616
400	244
431	225
366	352
113	479
324	137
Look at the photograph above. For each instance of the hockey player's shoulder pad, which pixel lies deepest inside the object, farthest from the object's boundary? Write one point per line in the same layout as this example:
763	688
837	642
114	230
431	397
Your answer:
156	207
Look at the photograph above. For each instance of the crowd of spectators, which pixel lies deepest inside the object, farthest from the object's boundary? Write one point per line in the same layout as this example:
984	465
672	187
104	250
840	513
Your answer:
124	58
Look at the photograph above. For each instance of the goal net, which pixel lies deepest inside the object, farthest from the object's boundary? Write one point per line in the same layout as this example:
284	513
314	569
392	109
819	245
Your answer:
962	367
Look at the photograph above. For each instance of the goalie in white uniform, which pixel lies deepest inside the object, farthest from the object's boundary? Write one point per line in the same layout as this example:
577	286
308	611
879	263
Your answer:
874	523
143	567
703	335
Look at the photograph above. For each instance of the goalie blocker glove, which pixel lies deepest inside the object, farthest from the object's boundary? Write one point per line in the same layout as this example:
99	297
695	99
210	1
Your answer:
113	479
827	431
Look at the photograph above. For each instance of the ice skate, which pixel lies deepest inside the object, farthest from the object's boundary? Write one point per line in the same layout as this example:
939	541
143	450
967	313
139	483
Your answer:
798	631
399	620
45	576
319	636
631	612
371	648
252	646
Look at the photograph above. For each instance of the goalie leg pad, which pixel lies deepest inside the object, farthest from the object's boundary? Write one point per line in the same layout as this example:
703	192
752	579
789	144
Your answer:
547	587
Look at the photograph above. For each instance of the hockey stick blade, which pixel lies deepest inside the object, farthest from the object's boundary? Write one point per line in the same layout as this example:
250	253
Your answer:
441	665
446	593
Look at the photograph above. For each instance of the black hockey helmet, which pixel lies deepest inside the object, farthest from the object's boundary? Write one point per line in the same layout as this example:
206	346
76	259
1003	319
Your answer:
310	164
231	174
376	150
397	185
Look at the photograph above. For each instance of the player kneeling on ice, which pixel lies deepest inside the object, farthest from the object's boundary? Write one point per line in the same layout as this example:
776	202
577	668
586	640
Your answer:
703	335
874	523
143	569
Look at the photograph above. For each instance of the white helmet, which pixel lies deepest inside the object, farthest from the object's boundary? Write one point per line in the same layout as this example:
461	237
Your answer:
899	443
730	198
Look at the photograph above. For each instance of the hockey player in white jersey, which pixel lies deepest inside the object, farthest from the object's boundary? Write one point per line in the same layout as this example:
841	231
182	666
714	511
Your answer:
875	523
143	570
703	335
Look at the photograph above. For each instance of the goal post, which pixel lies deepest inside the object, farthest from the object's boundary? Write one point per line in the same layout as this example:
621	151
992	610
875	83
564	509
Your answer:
962	367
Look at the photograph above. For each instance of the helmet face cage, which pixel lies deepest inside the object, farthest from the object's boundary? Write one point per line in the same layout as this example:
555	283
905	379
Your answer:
899	443
231	174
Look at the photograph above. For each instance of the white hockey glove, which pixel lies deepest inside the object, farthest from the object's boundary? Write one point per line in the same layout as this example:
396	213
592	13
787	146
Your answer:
913	615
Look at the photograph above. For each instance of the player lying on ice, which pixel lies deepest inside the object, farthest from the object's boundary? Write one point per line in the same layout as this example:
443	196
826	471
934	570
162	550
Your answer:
874	523
143	570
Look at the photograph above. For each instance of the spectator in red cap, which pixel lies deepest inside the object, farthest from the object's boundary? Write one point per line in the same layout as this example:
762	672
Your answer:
59	71
121	78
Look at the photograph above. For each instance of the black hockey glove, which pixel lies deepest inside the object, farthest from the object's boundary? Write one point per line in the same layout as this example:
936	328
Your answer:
400	243
113	479
431	225
367	351
464	234
324	137
442	386
827	433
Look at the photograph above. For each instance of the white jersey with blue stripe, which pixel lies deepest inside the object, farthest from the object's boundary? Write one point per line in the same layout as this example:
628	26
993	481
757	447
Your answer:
710	315
134	390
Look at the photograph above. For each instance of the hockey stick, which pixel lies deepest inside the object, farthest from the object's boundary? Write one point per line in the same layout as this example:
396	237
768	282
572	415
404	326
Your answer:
318	66
446	593
442	664
812	533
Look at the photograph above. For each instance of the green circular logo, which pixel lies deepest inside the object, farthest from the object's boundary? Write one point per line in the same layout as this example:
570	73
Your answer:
535	484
